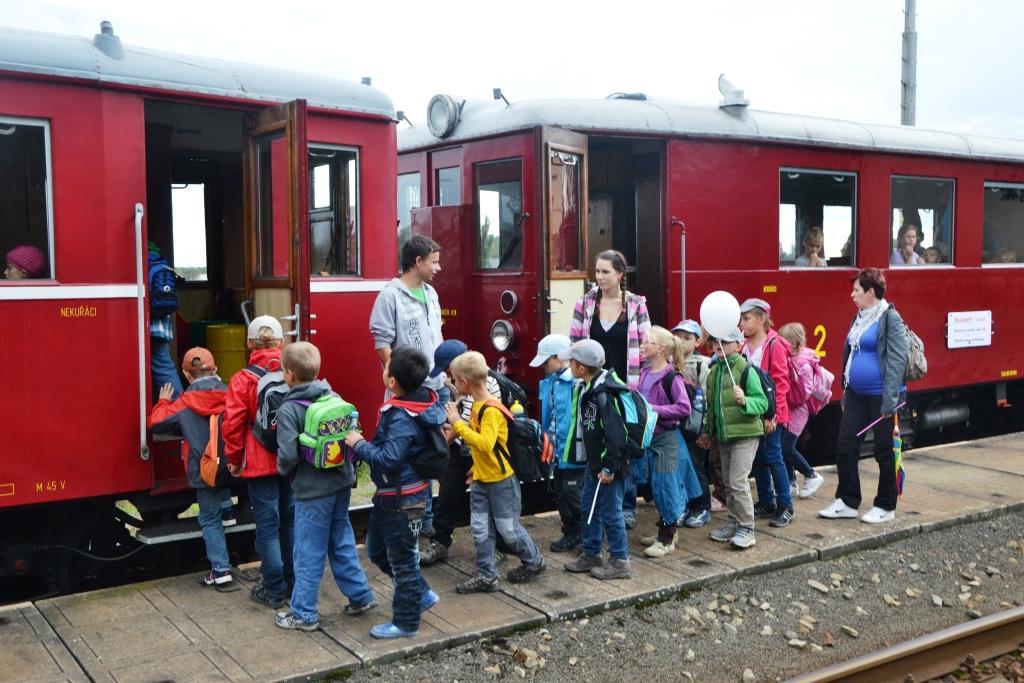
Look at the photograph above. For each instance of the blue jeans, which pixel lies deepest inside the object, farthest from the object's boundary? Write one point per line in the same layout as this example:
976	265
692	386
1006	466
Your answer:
607	517
162	366
323	531
273	507
213	529
392	543
770	468
794	458
628	495
494	510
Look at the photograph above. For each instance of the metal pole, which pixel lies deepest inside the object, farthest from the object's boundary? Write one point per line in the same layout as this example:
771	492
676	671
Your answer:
908	99
682	265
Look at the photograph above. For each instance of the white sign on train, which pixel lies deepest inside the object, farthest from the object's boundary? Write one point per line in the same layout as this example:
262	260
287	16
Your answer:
968	328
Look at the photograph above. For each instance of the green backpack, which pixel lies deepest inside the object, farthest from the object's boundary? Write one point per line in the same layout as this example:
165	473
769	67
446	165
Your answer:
329	419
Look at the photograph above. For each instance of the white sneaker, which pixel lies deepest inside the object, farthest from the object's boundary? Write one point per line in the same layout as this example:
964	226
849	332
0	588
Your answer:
877	515
838	510
659	549
811	485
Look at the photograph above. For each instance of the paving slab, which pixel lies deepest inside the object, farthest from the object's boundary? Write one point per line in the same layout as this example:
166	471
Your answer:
30	650
1002	454
978	482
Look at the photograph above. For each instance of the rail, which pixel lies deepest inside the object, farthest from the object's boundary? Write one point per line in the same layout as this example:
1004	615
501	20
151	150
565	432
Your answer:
140	280
933	655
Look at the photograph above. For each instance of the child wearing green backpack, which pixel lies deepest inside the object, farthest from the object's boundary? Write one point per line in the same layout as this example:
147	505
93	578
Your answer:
311	454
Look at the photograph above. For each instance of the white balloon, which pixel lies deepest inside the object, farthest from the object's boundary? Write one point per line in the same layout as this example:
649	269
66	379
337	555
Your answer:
719	313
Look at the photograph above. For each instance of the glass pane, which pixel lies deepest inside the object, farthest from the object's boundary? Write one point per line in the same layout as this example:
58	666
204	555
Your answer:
188	226
24	216
1003	238
408	199
334	213
272	207
564	212
449	186
499	204
816	218
922	221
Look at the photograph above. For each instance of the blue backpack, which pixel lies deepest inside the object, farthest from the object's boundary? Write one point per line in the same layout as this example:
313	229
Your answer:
639	419
163	287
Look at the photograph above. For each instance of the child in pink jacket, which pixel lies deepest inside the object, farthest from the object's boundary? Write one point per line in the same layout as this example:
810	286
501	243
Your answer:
802	362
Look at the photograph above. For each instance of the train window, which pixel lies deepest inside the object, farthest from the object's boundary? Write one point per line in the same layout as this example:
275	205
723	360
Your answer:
499	210
26	218
333	211
1003	237
408	199
188	228
448	187
272	207
817	218
922	221
566	241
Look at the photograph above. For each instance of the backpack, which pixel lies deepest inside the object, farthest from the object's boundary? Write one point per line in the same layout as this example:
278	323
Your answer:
329	419
270	393
529	449
430	461
213	466
821	388
694	423
163	287
639	419
767	384
510	390
796	396
917	364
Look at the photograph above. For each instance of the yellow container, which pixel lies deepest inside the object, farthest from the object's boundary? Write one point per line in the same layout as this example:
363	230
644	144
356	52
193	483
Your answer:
227	344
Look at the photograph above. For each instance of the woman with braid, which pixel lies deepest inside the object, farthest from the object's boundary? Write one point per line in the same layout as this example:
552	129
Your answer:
617	319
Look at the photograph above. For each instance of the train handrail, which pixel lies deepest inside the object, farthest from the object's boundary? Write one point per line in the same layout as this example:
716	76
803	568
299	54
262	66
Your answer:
140	299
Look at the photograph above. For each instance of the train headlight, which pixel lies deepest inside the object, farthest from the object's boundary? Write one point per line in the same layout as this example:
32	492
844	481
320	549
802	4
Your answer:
443	115
502	335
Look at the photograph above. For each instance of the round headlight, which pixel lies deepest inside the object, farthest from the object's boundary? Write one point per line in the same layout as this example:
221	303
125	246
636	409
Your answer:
442	115
501	335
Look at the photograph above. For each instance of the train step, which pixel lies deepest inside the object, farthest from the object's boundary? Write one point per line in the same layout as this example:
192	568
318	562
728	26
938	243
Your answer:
186	529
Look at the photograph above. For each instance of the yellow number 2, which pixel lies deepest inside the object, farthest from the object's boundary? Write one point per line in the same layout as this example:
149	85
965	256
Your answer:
819	332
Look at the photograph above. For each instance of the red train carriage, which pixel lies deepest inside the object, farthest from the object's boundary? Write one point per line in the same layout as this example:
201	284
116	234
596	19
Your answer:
265	202
523	196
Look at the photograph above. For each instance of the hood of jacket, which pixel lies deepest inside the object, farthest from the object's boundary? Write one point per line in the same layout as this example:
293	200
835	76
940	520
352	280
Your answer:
264	358
308	392
205	396
422	405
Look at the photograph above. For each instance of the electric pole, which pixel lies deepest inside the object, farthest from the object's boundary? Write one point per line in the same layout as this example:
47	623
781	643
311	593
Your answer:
908	99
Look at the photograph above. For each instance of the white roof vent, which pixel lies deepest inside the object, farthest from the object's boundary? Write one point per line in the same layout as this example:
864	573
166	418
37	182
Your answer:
733	96
108	43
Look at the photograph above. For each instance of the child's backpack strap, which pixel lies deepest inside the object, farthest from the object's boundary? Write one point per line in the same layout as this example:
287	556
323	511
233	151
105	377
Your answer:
667	381
503	457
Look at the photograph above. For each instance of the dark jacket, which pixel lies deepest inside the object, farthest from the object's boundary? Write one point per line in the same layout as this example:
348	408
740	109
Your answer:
308	482
604	434
189	417
399	434
893	353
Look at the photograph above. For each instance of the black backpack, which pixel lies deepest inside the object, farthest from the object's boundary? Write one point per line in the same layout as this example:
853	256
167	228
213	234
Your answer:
767	384
163	287
431	460
270	392
529	449
693	425
510	390
638	419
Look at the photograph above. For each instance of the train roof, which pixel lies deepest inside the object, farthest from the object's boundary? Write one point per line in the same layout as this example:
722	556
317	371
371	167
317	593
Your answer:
105	60
664	118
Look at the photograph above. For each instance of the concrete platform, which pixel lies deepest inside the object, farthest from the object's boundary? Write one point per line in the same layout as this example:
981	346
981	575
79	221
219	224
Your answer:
175	629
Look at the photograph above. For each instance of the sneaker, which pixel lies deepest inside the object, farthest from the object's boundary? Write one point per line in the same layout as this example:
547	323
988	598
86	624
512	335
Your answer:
781	518
259	594
429	599
565	544
583	563
725	533
289	621
218	578
434	552
630	521
614	569
762	510
744	538
838	510
717	505
389	631
661	549
877	515
698	519
499	557
227	517
354	610
477	584
647	541
811	484
524	573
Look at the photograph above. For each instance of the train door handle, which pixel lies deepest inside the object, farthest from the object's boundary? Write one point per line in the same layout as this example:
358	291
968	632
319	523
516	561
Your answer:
552	311
296	323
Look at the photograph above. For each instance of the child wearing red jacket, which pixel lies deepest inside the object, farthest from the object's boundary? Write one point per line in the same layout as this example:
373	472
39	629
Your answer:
273	504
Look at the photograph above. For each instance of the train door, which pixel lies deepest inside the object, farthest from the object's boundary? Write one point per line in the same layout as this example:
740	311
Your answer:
276	217
565	201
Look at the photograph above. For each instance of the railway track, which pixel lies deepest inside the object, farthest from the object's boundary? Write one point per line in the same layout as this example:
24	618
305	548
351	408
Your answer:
932	655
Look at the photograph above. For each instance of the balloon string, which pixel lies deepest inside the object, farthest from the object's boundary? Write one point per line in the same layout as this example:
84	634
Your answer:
721	350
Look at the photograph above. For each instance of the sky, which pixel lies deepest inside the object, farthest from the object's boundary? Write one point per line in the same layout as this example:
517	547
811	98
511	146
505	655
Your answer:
812	57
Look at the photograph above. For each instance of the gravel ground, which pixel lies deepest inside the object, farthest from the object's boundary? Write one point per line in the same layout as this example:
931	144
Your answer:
776	625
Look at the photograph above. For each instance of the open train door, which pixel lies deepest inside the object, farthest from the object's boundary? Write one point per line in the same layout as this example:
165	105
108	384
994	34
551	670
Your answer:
565	204
276	186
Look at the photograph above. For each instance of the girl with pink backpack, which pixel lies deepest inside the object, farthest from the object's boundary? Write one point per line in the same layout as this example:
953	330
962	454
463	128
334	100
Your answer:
804	398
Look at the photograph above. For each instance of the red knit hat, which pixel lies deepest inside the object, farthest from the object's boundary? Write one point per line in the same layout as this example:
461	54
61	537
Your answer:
29	259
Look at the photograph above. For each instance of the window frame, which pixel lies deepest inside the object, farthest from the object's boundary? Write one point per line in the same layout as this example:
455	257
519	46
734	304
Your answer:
457	168
854	216
358	194
477	267
985	185
891	236
48	192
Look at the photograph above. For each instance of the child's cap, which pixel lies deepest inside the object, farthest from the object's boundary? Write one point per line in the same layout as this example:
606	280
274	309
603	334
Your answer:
265	321
28	258
750	304
551	345
691	326
734	336
204	356
445	353
585	351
